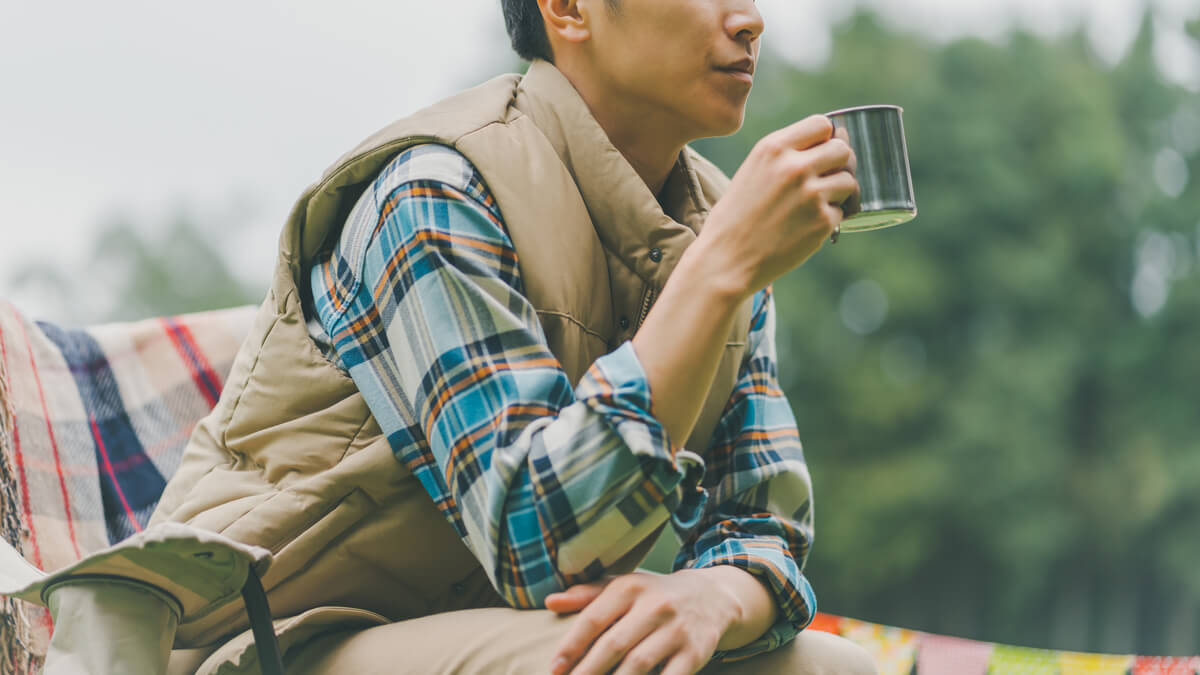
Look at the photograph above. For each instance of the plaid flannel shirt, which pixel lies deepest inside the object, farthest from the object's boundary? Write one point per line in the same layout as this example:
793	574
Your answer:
421	302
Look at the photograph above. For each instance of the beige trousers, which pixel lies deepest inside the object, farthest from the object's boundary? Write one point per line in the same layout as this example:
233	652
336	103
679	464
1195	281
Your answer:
498	641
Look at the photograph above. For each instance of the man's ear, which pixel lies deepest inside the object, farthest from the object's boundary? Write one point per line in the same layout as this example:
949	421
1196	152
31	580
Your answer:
566	19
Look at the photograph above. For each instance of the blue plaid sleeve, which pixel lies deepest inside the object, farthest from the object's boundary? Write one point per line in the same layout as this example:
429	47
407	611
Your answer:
546	483
759	514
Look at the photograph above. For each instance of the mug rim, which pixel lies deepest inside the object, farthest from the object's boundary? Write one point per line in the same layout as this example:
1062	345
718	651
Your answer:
858	108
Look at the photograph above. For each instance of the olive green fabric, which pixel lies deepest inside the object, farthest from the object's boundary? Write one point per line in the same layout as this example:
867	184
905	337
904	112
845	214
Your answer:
116	610
109	626
291	459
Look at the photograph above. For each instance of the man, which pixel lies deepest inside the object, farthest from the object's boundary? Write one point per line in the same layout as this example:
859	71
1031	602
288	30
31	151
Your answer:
654	75
530	296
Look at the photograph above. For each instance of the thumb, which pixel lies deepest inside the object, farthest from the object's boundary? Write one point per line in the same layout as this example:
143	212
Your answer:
574	598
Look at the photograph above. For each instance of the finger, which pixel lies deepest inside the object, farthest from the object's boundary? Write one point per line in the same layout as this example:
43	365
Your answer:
829	157
853	204
837	187
686	662
574	599
603	612
843	135
650	652
834	217
621	638
807	132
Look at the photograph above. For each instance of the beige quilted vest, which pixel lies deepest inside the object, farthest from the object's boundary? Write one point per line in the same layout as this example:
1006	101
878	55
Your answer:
292	460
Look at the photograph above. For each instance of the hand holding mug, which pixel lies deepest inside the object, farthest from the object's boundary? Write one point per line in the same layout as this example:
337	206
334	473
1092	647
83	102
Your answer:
784	201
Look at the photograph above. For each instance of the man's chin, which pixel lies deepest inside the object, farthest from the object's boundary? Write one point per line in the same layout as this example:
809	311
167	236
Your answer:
726	126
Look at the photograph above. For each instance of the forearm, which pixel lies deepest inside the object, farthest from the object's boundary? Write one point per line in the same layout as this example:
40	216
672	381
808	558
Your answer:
682	339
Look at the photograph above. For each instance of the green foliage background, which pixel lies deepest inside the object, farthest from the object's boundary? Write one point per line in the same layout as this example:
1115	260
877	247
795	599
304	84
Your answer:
1012	453
1003	447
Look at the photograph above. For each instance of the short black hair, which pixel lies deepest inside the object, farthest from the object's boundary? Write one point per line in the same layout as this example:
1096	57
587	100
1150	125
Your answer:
526	29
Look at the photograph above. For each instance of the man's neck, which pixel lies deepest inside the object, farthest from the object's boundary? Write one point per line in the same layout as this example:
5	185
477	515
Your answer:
650	142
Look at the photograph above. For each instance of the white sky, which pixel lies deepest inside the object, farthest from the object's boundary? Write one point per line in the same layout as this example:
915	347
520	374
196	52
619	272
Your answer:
230	107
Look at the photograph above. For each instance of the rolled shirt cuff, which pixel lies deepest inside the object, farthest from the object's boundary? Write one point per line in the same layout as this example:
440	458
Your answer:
792	593
616	388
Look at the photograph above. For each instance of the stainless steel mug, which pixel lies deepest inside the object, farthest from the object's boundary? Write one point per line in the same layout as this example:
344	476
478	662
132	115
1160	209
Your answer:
876	133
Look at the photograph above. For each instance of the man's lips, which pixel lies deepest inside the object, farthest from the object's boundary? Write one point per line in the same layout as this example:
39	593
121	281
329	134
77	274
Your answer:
743	70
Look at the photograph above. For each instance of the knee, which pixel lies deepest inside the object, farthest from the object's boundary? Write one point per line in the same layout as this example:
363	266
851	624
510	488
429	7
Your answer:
851	658
828	654
811	653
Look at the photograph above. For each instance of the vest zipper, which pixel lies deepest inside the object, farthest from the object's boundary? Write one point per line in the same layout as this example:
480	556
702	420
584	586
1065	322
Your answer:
647	302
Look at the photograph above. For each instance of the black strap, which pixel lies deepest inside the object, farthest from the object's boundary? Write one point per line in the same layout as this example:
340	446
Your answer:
269	659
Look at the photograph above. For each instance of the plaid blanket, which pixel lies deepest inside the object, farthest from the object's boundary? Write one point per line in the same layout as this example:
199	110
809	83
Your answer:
93	422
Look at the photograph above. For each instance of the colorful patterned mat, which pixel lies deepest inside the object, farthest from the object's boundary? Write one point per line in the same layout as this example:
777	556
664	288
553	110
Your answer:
898	651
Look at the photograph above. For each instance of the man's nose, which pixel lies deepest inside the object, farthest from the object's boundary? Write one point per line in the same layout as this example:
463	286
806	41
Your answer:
744	22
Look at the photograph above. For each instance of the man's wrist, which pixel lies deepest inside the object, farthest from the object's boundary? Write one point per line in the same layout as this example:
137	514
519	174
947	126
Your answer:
709	272
753	607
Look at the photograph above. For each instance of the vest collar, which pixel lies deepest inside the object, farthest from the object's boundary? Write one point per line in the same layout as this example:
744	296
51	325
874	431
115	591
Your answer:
628	218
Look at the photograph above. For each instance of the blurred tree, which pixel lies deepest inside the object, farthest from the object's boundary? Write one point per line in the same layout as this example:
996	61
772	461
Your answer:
999	398
130	274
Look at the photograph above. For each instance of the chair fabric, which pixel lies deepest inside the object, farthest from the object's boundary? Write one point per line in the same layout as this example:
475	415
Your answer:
92	422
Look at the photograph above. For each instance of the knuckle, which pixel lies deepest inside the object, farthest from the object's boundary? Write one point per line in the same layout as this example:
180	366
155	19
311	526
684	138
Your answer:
630	583
662	607
772	145
613	643
570	651
823	124
682	635
808	195
642	662
589	624
798	171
